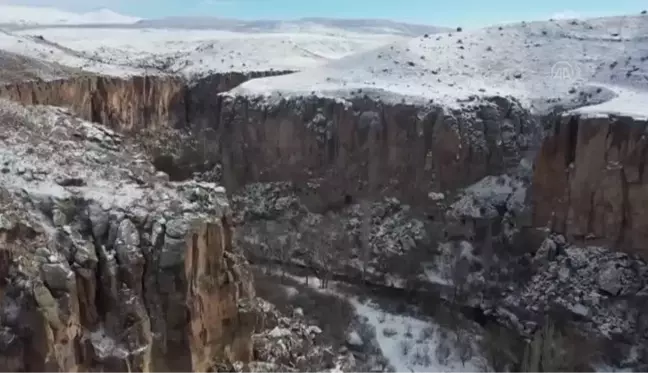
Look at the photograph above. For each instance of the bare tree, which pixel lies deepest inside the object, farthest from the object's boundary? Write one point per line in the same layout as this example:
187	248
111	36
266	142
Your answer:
365	236
285	248
464	346
370	196
326	261
457	274
559	347
322	256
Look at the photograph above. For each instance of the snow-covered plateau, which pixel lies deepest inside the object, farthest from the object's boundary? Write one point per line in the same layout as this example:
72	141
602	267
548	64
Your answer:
109	43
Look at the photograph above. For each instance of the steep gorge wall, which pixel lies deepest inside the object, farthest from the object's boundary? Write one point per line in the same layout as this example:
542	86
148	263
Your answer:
131	313
364	146
590	181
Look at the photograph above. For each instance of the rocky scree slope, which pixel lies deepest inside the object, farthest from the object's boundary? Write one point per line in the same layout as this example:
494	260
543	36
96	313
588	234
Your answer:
106	265
493	261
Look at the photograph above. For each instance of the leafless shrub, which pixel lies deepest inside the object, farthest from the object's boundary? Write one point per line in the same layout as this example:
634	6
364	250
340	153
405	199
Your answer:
408	331
422	356
464	346
443	351
331	313
389	332
6	257
426	333
405	346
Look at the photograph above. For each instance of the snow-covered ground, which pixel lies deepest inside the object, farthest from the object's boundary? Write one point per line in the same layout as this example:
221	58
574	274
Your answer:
600	63
187	51
409	343
109	43
416	345
43	51
30	15
573	62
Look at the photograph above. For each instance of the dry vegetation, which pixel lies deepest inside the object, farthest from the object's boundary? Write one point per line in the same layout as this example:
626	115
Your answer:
331	313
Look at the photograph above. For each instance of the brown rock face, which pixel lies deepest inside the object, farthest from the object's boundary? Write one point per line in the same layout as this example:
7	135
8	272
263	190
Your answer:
589	181
135	104
124	104
60	326
355	147
173	119
218	331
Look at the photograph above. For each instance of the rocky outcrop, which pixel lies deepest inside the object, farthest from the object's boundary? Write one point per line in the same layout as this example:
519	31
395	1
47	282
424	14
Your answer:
595	286
291	344
107	266
18	68
589	182
172	118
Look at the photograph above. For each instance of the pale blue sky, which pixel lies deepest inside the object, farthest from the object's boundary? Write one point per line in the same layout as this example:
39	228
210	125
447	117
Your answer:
467	13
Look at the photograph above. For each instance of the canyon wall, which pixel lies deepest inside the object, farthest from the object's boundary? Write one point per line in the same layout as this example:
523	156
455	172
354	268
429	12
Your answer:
413	150
365	147
590	182
290	162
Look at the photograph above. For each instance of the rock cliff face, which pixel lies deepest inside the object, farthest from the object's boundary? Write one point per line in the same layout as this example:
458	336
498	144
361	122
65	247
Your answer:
105	265
363	146
135	104
590	182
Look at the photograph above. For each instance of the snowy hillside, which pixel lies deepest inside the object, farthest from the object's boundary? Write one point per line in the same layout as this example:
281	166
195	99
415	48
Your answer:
106	42
123	51
570	62
27	15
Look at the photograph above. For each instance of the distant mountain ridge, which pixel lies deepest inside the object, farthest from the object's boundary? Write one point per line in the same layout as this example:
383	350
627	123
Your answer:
29	15
20	17
374	26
